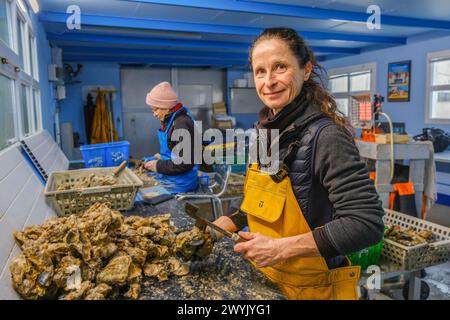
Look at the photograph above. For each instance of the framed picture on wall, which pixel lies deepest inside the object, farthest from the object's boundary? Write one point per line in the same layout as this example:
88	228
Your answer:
399	81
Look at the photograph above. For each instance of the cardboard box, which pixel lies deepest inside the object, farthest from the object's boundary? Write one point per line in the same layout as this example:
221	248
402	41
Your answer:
219	108
385	138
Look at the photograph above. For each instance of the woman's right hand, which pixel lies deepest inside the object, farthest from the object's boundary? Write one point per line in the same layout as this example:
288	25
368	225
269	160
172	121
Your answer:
151	165
157	156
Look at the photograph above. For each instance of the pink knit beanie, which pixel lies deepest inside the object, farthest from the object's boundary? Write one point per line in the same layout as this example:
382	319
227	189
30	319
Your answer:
162	96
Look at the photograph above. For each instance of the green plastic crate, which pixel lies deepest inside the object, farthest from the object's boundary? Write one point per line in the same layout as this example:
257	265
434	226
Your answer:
367	257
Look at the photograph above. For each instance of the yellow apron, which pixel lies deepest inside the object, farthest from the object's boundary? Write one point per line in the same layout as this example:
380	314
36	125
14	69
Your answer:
272	210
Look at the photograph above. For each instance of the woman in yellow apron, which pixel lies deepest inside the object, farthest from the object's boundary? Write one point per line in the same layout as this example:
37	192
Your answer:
320	205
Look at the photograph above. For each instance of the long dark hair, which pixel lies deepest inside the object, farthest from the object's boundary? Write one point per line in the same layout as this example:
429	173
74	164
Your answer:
314	88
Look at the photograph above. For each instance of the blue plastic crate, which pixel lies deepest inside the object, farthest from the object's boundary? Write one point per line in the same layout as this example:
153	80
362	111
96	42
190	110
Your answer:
117	152
105	154
94	155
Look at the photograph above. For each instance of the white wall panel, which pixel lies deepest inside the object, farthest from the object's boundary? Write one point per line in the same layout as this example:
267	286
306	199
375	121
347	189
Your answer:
22	203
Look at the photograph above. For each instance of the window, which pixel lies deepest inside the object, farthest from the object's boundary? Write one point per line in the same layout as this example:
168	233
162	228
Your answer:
6	111
20	111
19	39
32	57
24	110
438	88
36	110
5	27
354	80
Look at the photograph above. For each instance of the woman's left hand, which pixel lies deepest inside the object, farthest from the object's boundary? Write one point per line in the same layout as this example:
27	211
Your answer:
151	165
262	250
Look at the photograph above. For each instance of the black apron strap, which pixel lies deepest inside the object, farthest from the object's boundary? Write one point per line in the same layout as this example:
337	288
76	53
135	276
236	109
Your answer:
294	146
285	165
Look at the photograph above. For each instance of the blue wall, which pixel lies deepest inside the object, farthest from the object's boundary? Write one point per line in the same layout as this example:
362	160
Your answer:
108	74
92	74
412	112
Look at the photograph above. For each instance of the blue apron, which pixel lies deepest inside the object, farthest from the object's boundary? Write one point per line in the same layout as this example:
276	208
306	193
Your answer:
181	183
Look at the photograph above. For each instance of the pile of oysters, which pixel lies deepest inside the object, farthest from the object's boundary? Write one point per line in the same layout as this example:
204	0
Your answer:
93	180
408	236
101	254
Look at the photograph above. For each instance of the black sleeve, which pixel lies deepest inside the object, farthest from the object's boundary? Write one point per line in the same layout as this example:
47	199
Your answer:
357	222
167	166
238	217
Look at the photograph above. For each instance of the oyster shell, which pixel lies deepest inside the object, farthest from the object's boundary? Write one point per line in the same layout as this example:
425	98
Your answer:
116	272
408	236
100	292
193	244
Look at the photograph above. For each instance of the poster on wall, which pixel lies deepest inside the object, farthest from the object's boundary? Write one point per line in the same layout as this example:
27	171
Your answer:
399	81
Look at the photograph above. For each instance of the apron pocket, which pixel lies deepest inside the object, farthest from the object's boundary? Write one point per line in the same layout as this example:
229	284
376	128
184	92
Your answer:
345	283
263	204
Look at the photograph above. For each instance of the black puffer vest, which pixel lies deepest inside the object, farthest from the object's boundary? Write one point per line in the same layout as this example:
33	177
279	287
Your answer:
309	192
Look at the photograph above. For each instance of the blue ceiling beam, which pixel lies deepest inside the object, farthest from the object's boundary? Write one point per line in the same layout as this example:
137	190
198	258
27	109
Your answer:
151	60
314	35
299	12
152	52
321	58
150	24
123	40
161	61
343	50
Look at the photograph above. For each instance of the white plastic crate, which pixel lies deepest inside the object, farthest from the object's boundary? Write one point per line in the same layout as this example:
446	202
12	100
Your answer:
419	256
120	196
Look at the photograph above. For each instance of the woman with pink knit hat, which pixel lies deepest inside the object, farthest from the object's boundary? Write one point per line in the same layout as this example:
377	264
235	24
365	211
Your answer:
177	178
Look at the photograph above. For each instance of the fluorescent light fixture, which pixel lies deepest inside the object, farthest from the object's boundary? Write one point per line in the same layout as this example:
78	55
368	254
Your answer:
144	33
22	6
347	21
34	5
338	20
